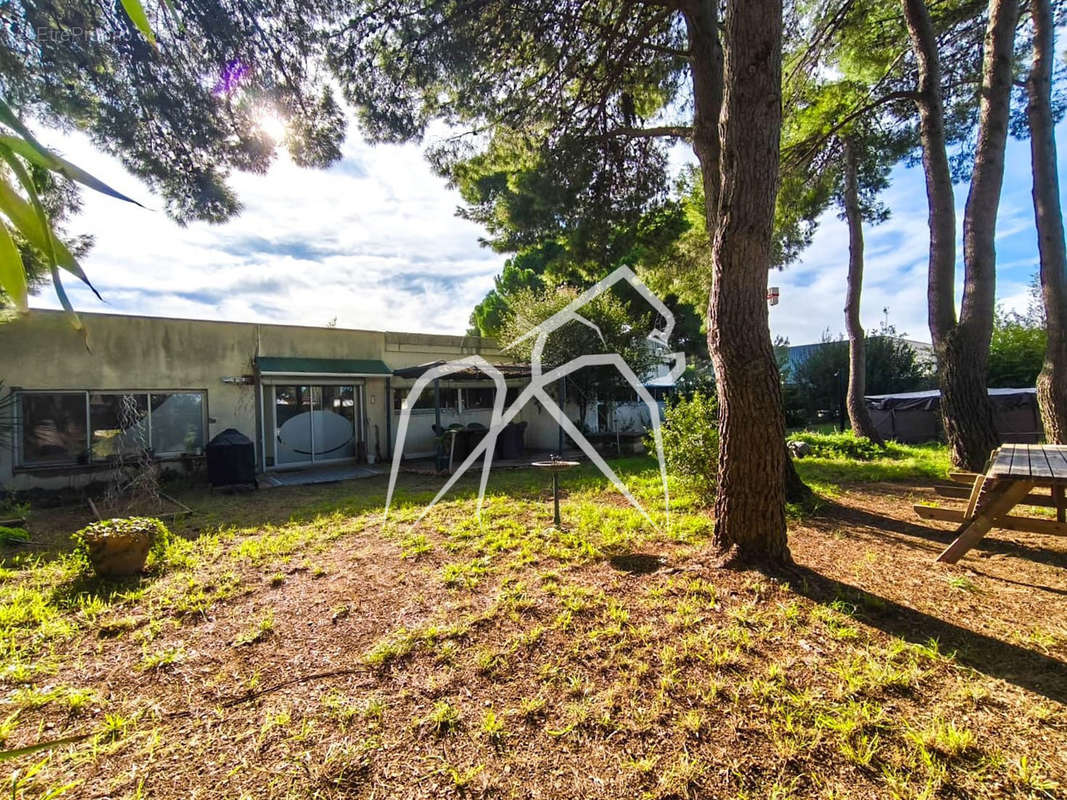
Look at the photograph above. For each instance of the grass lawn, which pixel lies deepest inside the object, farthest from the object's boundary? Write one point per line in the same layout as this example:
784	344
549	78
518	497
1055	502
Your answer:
295	646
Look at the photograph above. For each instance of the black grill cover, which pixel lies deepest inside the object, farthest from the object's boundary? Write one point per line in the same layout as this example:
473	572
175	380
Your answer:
231	459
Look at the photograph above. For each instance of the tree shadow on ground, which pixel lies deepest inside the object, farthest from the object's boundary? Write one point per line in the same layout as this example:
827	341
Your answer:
86	586
892	529
1028	669
637	563
1002	579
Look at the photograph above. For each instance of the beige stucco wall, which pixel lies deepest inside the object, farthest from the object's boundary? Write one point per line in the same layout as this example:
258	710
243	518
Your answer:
41	351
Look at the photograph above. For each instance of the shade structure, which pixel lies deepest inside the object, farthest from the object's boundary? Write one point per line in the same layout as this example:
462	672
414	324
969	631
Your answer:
913	417
470	373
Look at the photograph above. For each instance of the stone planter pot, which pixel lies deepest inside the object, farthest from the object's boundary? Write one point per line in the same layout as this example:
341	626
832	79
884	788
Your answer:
119	548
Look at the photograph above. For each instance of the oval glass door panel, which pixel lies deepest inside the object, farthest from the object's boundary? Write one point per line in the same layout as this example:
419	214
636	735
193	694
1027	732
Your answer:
292	420
334	422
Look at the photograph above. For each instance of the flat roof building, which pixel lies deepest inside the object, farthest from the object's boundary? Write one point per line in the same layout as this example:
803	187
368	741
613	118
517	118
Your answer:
304	395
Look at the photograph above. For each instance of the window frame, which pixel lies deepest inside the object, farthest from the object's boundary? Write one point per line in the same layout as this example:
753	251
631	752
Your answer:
401	393
87	462
166	455
490	392
146	420
84	460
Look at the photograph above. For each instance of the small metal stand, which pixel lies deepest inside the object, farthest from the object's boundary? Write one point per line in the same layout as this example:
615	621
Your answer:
555	465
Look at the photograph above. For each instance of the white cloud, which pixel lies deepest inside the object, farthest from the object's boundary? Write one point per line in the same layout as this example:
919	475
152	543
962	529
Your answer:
373	241
896	257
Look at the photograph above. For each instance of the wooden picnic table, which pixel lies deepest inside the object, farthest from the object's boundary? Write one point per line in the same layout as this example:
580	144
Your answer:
1012	472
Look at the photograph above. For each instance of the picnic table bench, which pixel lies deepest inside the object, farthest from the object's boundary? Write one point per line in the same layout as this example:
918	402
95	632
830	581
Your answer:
1012	472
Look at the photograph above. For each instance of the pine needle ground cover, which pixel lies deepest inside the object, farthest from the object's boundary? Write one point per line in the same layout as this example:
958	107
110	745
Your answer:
291	644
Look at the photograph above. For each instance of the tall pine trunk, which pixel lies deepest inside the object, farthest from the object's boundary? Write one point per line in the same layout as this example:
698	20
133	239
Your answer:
706	66
750	508
1052	382
858	415
962	347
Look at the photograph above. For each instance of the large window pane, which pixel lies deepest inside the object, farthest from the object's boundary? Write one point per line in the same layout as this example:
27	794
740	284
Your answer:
177	423
119	424
53	428
425	400
482	397
334	422
292	419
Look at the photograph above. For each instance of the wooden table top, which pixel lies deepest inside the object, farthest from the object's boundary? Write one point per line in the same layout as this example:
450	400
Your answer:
1041	463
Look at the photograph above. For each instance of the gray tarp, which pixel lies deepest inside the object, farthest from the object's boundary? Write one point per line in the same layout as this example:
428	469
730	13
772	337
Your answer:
915	416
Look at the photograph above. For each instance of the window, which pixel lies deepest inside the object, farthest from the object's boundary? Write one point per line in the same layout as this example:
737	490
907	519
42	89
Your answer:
119	424
79	427
53	428
482	397
449	398
177	422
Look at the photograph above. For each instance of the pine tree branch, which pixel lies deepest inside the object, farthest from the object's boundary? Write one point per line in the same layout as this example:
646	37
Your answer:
661	131
791	154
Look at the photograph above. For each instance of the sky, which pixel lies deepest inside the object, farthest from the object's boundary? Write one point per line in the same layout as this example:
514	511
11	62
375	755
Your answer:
374	243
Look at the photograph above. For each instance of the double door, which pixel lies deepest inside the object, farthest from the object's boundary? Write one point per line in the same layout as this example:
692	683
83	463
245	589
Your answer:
315	423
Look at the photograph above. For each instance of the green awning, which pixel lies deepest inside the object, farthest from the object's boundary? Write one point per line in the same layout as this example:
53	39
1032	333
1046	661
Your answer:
341	367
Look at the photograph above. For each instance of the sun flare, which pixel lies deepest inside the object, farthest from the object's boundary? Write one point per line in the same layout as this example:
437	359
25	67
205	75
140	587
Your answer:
272	124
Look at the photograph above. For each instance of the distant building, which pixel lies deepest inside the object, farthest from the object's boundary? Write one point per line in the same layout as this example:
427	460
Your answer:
798	354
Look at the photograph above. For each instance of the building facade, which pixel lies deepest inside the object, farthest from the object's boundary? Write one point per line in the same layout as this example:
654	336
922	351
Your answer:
305	396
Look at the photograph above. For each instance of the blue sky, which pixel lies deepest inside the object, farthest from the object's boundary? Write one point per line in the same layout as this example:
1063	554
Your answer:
374	243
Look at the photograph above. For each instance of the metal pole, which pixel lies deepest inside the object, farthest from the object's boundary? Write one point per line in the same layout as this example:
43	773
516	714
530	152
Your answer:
437	401
439	450
389	417
841	400
563	407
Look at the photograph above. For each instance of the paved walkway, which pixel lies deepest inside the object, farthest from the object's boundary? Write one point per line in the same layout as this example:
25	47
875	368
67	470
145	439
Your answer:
324	474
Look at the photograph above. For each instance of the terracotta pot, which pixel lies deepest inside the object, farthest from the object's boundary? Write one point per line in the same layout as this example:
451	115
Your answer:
119	555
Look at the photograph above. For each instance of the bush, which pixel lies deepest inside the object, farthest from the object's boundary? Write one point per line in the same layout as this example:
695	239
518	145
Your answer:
121	528
13	535
839	445
12	508
795	406
691	443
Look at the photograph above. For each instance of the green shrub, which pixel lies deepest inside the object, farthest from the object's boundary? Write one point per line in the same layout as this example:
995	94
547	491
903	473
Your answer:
12	508
840	445
13	535
157	532
691	443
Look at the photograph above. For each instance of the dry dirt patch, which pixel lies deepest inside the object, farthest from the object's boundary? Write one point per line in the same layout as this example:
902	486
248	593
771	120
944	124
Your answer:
321	654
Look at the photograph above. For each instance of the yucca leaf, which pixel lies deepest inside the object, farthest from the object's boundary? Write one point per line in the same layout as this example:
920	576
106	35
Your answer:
8	117
7	755
26	222
135	11
72	315
32	222
44	226
43	157
12	271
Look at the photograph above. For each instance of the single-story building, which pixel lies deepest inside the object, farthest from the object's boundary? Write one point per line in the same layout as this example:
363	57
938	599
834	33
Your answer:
304	395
